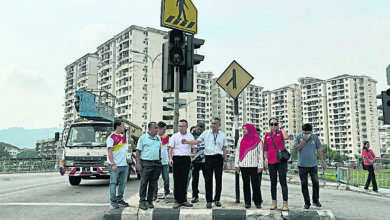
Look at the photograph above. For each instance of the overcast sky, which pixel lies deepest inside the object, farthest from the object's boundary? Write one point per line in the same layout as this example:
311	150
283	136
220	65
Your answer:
276	41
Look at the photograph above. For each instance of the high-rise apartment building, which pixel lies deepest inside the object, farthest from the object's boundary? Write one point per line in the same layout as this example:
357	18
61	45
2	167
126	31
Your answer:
81	74
352	114
248	110
314	106
130	68
286	107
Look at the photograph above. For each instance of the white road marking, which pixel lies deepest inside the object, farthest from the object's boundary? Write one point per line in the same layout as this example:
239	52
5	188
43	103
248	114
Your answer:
52	204
39	186
21	187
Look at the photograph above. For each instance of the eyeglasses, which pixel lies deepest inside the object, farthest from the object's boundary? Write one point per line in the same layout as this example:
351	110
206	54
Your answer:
274	124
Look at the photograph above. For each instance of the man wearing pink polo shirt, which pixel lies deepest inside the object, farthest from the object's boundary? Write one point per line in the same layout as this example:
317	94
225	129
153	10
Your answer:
272	140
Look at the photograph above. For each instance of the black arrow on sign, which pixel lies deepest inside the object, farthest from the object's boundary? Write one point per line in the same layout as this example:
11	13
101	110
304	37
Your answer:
233	79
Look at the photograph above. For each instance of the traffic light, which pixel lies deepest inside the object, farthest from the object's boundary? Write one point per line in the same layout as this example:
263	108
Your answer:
179	51
168	75
192	58
385	107
187	74
176	48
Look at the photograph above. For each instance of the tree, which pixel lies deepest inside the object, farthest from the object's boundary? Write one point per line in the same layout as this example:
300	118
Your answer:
27	154
3	153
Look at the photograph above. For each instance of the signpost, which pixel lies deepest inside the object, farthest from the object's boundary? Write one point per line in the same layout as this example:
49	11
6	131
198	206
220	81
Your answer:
179	14
234	80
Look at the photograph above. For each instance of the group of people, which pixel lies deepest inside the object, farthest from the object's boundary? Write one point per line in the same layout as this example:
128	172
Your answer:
253	155
201	151
206	151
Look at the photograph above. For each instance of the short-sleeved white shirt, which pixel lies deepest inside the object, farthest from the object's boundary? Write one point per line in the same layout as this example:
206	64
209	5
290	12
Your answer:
213	143
180	149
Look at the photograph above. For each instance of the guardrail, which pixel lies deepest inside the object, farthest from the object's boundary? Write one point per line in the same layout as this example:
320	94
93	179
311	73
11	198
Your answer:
29	165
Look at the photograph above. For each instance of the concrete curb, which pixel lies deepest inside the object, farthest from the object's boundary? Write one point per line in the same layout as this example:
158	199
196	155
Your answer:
134	213
229	210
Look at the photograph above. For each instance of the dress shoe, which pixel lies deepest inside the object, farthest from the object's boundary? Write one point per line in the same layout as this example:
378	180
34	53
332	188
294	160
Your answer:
208	205
187	204
247	206
150	204
258	206
317	203
218	203
306	206
195	200
176	206
143	206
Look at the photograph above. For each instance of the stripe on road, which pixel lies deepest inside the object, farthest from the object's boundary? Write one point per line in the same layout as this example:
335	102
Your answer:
52	204
39	186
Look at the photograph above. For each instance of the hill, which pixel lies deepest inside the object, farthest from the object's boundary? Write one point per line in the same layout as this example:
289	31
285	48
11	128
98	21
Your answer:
26	138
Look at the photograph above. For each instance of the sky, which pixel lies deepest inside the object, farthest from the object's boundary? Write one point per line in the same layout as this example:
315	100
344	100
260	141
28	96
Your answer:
277	42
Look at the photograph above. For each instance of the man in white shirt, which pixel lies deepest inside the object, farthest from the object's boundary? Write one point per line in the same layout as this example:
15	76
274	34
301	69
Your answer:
180	158
215	143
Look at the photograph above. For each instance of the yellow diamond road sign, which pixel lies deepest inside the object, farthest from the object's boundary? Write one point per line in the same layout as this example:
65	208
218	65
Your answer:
179	14
234	79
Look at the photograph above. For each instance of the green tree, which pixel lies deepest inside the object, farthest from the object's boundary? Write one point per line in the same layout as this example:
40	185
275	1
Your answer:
27	154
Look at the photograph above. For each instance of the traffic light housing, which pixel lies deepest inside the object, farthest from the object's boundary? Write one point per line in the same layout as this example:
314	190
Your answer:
176	48
385	107
179	51
192	58
187	74
168	76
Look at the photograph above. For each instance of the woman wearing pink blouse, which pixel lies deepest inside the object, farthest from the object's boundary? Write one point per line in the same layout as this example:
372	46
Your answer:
271	140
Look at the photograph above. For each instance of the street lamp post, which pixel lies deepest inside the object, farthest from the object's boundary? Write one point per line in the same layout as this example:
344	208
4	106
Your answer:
151	87
188	105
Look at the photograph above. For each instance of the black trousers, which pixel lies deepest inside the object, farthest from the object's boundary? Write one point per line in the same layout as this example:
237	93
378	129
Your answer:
303	175
149	176
195	177
181	168
214	164
274	170
260	178
371	177
249	175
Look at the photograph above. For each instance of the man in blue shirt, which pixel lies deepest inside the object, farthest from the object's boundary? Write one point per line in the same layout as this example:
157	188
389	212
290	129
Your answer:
149	164
306	144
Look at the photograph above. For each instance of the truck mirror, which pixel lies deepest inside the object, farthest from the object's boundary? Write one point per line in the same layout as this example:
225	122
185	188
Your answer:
57	136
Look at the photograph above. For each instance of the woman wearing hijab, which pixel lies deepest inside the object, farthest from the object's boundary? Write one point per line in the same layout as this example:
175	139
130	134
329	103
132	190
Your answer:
249	160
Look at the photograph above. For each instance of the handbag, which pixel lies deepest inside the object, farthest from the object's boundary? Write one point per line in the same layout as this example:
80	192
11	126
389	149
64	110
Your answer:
281	155
364	165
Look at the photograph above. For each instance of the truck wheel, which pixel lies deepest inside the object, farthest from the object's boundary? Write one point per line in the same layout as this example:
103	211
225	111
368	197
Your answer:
74	180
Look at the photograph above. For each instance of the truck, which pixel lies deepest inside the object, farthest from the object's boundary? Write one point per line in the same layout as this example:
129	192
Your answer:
84	147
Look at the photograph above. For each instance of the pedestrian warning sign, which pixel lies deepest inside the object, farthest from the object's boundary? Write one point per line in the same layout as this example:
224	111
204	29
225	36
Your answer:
179	14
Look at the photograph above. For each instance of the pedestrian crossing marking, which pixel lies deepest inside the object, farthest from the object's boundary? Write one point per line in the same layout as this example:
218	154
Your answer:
179	14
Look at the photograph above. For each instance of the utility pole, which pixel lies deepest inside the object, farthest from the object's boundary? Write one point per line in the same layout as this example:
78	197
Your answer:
176	103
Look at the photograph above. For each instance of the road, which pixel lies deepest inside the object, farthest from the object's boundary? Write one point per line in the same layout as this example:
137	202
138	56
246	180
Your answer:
49	195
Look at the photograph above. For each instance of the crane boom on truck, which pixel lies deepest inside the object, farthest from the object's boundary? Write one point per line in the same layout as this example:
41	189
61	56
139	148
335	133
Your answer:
84	146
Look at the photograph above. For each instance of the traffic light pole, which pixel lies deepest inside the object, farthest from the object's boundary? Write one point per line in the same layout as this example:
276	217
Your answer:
176	103
235	146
